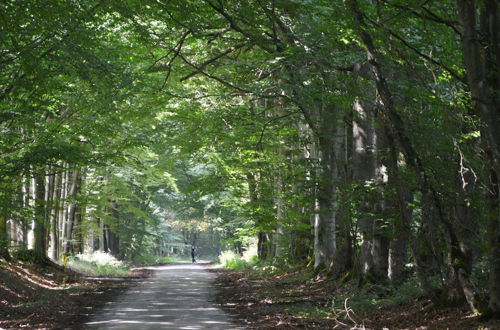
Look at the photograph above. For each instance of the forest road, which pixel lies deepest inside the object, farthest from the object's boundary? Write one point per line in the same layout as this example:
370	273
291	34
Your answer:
178	296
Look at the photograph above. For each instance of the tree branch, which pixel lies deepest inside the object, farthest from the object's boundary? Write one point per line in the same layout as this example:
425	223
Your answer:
452	72
203	65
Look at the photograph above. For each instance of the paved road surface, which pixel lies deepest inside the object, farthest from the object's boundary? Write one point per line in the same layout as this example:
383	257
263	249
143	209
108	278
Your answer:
176	297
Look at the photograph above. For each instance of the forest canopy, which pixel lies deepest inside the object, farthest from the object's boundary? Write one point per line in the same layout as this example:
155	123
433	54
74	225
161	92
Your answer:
359	138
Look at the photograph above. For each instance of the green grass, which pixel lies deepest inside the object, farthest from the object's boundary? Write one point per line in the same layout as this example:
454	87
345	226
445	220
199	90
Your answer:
234	261
148	260
98	263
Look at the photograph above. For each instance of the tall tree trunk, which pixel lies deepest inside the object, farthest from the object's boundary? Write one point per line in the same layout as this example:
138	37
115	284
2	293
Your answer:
103	246
26	221
70	220
492	214
55	216
481	54
327	190
40	227
429	195
364	171
49	206
262	237
344	258
398	248
63	214
279	240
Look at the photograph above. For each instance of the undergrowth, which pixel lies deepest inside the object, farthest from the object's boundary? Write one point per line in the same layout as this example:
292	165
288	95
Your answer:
368	298
98	263
353	302
231	260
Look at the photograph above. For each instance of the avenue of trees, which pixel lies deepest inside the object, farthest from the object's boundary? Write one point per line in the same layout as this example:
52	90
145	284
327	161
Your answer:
357	137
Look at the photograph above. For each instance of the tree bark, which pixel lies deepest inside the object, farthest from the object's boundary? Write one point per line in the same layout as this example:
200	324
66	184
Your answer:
49	206
344	258
262	237
326	205
26	221
4	239
55	216
429	195
398	248
481	54
40	227
365	164
72	207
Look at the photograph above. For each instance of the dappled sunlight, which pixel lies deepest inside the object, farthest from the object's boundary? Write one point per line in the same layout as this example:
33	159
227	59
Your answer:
26	274
176	298
3	287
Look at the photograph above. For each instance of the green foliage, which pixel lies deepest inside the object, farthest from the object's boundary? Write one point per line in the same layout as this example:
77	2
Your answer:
232	260
193	133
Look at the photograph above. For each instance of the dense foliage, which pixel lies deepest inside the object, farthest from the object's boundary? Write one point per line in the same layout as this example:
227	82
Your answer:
356	137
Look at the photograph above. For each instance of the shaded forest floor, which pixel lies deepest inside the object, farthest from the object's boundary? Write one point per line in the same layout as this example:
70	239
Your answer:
51	297
41	297
298	300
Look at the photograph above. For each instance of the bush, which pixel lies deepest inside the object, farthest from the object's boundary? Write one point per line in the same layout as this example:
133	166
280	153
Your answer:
232	260
98	263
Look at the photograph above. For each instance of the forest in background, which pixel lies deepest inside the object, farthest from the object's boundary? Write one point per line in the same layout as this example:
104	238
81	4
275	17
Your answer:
359	138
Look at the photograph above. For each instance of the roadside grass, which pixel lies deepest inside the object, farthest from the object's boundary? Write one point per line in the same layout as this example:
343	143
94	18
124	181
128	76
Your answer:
234	261
250	261
98	263
149	260
104	264
231	260
182	259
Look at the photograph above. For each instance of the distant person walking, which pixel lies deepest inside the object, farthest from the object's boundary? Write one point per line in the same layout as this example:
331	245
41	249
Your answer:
193	254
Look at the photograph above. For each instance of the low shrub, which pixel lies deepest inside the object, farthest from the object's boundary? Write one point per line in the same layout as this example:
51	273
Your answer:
231	260
98	263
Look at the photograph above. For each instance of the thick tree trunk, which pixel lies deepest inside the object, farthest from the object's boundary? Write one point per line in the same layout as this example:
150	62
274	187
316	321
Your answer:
326	205
365	164
344	258
492	213
398	248
481	53
430	196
